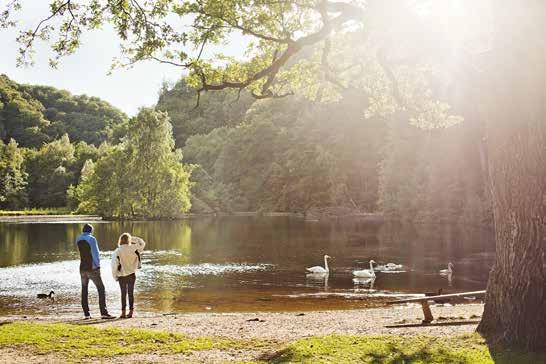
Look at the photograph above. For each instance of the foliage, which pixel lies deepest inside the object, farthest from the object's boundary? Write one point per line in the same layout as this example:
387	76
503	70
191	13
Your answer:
33	115
13	178
216	109
83	118
21	116
143	176
288	154
50	173
289	158
47	121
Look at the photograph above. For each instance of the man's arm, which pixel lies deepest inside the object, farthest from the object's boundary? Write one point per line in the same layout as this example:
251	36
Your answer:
94	251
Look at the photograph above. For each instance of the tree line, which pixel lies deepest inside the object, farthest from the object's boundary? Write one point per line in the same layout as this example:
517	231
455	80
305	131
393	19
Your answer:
290	155
61	150
300	155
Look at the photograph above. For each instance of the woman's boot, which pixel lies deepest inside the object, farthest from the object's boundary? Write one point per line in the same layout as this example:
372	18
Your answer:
130	314
123	314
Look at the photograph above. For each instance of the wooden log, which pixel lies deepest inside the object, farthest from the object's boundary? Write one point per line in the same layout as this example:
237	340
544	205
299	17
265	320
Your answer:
426	312
432	298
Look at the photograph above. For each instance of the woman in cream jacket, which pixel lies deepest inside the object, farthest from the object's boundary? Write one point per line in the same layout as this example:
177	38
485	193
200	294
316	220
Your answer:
125	262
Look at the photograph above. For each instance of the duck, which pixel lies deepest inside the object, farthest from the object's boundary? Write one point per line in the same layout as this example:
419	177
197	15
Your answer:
44	295
318	269
449	269
365	273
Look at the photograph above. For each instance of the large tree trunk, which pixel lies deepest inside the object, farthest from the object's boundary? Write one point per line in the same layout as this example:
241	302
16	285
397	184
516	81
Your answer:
515	112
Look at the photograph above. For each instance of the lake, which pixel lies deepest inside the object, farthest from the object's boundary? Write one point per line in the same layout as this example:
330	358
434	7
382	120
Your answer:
226	264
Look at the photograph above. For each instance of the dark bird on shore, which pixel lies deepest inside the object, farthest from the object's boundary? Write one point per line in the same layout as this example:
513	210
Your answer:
43	295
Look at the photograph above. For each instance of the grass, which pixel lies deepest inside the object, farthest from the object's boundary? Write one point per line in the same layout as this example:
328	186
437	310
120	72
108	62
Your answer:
74	342
397	350
36	211
80	341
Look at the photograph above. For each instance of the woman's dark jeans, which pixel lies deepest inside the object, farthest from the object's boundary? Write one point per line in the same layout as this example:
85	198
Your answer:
127	285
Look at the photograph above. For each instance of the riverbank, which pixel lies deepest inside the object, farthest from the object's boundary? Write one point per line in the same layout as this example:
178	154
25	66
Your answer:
49	218
36	211
310	337
47	215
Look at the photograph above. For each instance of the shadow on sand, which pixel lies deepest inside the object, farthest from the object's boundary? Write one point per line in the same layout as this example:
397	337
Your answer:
92	321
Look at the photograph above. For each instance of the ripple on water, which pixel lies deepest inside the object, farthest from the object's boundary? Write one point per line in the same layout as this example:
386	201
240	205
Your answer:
63	277
28	280
208	268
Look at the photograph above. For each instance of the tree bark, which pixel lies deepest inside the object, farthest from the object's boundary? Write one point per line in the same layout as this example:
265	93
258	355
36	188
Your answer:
514	102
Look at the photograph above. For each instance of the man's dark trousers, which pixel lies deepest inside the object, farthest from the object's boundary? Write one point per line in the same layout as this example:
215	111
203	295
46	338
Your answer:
93	275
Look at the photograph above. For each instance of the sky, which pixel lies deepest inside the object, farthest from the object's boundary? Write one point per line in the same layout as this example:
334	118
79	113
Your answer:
86	72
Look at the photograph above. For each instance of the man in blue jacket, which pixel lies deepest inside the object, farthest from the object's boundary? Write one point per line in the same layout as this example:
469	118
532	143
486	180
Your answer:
90	270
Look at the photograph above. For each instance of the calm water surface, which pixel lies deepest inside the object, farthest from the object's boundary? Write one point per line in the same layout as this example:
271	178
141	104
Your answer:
242	264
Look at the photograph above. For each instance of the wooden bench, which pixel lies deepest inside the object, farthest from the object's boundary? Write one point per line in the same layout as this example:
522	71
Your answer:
424	301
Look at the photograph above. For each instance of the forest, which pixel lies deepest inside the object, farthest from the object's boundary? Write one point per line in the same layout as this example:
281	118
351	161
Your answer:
283	155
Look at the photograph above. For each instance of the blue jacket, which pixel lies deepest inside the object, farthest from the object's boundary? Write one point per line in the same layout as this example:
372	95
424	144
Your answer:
91	249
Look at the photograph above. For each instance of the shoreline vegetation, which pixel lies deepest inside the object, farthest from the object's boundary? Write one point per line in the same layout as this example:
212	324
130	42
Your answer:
60	214
36	211
258	337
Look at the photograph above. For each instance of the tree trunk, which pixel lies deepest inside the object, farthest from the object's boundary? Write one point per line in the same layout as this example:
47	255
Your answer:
514	108
515	310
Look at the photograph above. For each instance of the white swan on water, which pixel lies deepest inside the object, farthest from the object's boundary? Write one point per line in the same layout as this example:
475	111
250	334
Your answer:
449	269
388	267
365	273
318	269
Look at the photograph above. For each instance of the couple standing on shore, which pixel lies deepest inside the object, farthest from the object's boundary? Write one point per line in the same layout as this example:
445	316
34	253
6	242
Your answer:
125	262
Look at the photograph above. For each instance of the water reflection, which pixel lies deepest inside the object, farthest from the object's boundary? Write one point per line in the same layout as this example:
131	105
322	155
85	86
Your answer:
245	263
317	280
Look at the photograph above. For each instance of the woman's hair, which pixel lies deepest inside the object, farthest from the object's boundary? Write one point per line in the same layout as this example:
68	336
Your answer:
124	238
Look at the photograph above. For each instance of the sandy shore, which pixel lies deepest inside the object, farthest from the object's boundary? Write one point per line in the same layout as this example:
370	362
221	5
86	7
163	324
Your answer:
276	328
288	326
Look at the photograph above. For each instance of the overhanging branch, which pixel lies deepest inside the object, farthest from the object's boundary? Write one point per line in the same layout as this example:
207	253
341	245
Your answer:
346	12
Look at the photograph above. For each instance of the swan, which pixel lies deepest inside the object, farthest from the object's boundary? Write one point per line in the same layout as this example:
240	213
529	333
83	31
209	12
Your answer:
393	266
449	269
365	273
388	267
318	269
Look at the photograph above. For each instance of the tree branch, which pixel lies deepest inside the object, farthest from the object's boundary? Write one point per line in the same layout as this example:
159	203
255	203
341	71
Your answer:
347	12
